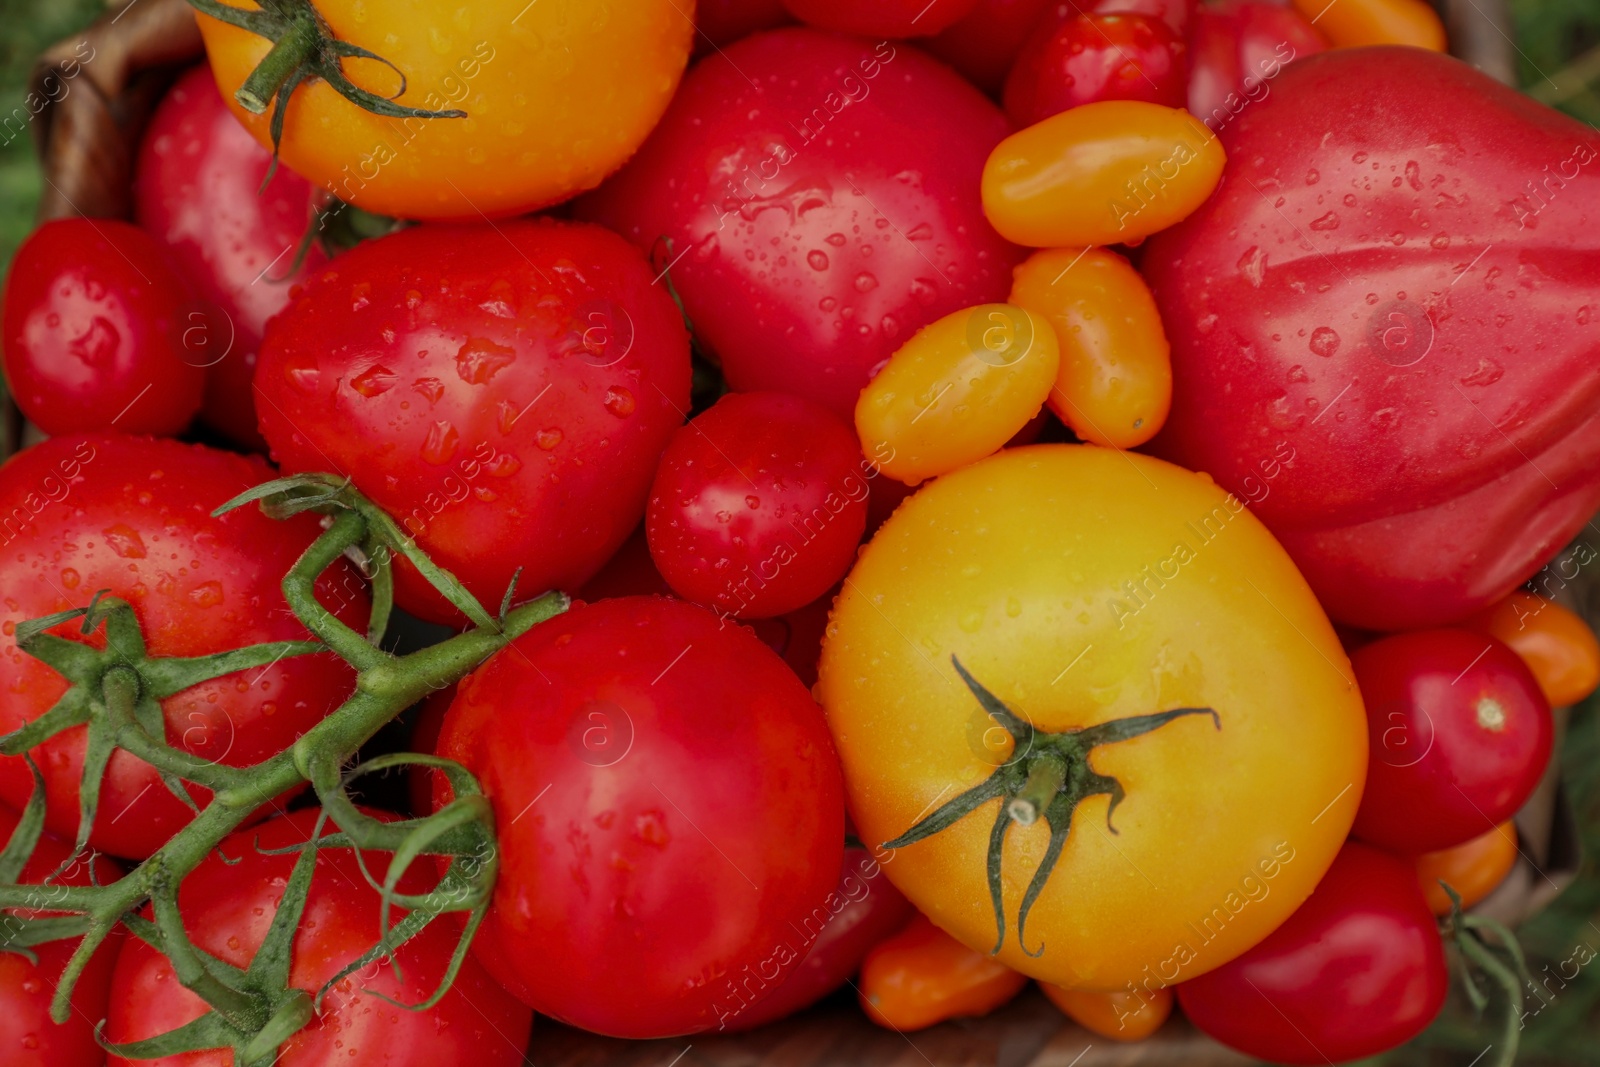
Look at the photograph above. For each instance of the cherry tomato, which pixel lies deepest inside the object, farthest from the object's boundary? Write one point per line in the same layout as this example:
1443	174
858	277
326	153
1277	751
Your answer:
1353	23
503	392
1460	737
1236	49
596	78
1066	581
984	44
957	391
923	976
1177	14
721	22
228	903
881	18
1109	172
1114	385
814	220
1119	1016
1357	970
669	809
96	329
133	515
1555	643
1096	57
1473	869
197	190
758	505
862	912
27	1032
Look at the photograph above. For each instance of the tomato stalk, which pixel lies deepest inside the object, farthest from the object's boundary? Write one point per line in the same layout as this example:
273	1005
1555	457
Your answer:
1478	953
115	693
1047	774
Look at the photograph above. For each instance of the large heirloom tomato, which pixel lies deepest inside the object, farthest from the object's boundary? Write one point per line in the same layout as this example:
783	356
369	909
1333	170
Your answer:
556	95
818	212
1085	692
669	810
503	392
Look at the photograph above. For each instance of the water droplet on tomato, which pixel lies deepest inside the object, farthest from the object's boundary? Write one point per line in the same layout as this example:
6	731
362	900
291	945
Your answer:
480	359
440	445
70	578
124	541
818	259
547	439
1330	221
619	401
374	381
1324	341
206	594
1253	266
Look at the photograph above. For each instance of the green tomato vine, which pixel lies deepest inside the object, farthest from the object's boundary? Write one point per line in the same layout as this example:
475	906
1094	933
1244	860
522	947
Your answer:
115	694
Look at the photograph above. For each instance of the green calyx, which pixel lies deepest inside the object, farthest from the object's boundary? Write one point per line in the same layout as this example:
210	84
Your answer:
1047	776
116	693
1498	958
303	48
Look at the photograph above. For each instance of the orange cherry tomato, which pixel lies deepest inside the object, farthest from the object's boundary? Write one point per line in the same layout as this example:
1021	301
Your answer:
957	391
923	976
1352	23
1114	385
1556	644
1103	173
1472	869
1131	1016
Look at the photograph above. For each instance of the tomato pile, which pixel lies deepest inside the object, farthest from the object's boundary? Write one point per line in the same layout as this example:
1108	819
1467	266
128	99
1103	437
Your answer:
913	498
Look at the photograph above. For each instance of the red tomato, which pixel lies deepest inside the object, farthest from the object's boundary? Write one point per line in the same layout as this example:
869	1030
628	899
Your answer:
722	22
881	18
983	45
96	328
26	987
1096	57
1358	969
1236	48
1177	14
758	505
1460	734
227	909
819	216
504	392
133	515
197	189
670	811
861	912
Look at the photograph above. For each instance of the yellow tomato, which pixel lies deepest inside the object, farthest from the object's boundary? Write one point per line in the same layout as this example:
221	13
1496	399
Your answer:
1108	172
1472	869
1104	668
1555	643
923	976
1118	1016
1115	383
957	391
557	94
1353	23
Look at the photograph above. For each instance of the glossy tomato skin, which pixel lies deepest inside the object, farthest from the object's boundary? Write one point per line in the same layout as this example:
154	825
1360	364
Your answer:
197	190
96	327
1238	48
984	44
1460	735
822	215
1096	57
694	812
596	94
227	908
758	505
863	910
1073	623
881	18
27	1033
1359	969
503	392
133	515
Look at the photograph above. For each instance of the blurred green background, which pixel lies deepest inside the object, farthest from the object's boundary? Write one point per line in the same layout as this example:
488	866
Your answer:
1559	42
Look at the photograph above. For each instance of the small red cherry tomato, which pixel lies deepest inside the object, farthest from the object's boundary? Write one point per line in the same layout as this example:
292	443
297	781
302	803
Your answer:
983	45
1460	736
1177	14
1096	57
881	18
1357	970
758	505
857	916
95	327
1236	48
197	189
